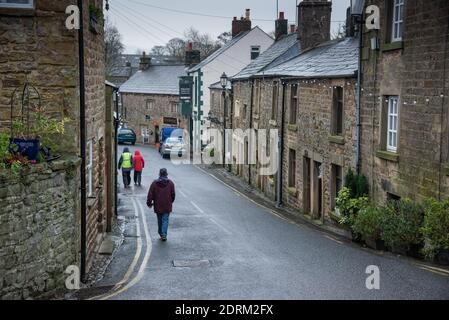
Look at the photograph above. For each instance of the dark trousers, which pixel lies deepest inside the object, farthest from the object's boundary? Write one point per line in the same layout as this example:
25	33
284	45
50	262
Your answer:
137	177
126	177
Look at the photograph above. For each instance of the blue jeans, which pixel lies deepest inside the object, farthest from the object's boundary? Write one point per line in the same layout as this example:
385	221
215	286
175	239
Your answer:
162	221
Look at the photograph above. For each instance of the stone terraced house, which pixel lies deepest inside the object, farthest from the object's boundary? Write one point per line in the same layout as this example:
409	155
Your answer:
150	100
308	95
405	105
41	229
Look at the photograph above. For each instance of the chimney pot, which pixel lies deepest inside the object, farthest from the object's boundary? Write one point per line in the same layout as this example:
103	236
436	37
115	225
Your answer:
281	15
247	14
292	28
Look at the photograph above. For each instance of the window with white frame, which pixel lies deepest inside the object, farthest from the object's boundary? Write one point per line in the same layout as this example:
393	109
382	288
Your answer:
397	23
392	126
255	52
23	4
89	168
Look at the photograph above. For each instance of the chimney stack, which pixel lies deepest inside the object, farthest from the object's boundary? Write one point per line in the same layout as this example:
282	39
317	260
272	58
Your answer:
349	23
192	56
281	27
145	62
314	22
242	25
292	28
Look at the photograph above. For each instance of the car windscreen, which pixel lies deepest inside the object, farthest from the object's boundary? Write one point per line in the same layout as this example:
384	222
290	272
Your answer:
125	131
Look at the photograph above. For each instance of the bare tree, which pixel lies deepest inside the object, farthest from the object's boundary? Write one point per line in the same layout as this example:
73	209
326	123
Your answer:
176	48
113	48
202	42
158	51
224	38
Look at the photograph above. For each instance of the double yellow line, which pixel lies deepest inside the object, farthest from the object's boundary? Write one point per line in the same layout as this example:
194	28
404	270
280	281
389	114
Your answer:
125	284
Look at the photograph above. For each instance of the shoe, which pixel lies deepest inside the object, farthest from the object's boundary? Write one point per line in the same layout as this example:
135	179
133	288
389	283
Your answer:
164	238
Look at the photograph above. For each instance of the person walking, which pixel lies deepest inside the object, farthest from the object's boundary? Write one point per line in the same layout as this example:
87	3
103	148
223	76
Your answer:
139	164
126	164
161	195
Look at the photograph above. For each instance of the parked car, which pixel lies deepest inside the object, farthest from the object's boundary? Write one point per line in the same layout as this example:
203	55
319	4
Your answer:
168	132
173	146
126	135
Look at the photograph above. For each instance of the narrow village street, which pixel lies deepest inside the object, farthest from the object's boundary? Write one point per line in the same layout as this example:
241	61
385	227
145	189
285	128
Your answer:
227	247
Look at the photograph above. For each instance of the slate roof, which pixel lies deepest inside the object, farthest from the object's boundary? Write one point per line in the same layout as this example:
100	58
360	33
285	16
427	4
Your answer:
336	58
218	52
280	51
155	80
217	85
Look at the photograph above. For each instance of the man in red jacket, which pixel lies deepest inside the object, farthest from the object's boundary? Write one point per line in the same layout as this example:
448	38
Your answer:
139	164
162	195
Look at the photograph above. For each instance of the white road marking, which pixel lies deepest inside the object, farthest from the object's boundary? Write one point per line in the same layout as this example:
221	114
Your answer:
211	219
196	207
183	194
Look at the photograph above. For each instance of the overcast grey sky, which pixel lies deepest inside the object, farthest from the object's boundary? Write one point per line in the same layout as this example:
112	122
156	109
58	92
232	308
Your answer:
146	23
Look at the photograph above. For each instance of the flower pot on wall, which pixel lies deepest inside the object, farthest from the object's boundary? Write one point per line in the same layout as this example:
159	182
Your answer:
28	148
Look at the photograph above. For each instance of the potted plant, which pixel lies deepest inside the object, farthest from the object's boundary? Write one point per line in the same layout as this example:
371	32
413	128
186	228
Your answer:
41	131
401	227
436	230
368	223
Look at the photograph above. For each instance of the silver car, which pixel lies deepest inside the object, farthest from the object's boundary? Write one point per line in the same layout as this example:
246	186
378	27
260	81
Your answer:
173	147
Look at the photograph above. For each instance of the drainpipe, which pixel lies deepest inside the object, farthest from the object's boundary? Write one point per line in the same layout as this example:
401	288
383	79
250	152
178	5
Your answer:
82	112
250	127
281	148
359	98
116	125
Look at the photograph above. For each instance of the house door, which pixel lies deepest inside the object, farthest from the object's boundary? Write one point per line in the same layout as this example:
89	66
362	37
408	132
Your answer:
307	185
317	194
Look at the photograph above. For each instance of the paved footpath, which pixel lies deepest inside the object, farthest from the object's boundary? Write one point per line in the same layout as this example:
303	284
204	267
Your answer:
221	245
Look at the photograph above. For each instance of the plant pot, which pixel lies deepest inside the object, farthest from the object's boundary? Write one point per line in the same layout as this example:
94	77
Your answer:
376	244
442	257
28	148
415	251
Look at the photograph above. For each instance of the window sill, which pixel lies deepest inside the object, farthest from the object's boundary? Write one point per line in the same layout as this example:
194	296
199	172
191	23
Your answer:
292	191
17	12
337	139
397	45
292	127
256	116
387	155
272	122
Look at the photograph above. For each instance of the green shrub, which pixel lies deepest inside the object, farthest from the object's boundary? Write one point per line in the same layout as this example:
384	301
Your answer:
4	150
368	222
402	221
436	226
349	206
357	184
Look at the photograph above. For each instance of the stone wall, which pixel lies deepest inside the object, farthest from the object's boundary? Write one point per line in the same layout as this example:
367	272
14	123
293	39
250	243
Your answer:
136	108
416	70
39	229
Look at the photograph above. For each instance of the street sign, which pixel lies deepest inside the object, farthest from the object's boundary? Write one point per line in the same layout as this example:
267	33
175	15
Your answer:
185	88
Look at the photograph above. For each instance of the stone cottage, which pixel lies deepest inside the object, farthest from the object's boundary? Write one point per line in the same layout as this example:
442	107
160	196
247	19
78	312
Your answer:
150	100
48	227
405	105
310	99
257	100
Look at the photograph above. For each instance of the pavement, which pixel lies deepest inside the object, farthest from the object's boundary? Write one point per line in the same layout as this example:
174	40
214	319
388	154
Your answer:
222	244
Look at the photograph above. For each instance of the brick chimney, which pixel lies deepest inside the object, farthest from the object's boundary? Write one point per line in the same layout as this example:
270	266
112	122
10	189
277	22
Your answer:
314	22
292	28
242	25
281	27
145	62
192	57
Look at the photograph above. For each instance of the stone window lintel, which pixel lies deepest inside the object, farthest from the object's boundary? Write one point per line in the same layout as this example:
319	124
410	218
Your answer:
337	139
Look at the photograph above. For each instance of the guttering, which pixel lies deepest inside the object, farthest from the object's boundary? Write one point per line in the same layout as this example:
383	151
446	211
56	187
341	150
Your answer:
116	126
82	112
250	135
